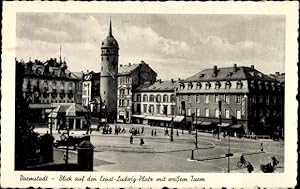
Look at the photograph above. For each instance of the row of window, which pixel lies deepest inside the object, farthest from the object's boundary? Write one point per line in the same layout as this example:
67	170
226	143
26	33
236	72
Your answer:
216	98
206	113
207	85
155	98
124	103
124	91
158	109
124	80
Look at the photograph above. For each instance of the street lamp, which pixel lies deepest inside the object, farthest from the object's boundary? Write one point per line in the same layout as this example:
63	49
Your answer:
194	115
171	136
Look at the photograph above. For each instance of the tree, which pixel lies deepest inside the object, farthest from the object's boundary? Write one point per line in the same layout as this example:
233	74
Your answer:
26	140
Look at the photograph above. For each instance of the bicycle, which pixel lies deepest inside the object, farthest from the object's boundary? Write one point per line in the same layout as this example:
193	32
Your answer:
242	165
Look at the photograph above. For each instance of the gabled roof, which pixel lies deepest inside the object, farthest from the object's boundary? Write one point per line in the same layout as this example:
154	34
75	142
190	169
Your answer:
127	69
158	86
228	73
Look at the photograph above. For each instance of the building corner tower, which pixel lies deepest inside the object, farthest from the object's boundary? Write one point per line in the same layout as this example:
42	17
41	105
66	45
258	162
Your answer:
109	76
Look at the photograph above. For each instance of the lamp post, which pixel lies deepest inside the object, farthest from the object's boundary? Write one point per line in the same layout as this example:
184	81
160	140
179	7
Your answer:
171	136
220	117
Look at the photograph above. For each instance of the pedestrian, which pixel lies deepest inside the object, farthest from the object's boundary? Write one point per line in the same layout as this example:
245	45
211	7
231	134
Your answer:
152	132
177	133
142	142
142	130
261	147
138	131
250	167
131	139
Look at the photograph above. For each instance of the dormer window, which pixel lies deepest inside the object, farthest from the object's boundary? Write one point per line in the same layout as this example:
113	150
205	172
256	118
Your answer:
207	85
227	85
198	86
181	86
217	85
239	84
201	75
190	86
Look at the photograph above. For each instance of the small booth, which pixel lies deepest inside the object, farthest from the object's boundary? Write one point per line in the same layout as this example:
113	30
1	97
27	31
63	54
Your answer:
71	115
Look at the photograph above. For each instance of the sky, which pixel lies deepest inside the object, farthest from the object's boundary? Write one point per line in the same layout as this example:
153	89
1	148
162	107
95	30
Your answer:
174	45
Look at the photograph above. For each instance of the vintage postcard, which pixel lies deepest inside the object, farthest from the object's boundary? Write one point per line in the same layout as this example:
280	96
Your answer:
151	95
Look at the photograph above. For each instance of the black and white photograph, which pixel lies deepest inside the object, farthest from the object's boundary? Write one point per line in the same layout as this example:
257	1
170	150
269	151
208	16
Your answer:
153	93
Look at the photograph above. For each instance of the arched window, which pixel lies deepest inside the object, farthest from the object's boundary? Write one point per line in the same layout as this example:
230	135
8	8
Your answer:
260	85
207	85
158	98
217	85
145	98
151	98
139	98
239	84
267	86
227	85
198	86
181	87
165	98
190	86
253	84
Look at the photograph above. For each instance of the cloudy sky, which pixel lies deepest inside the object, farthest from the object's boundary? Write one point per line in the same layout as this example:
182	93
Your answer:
173	45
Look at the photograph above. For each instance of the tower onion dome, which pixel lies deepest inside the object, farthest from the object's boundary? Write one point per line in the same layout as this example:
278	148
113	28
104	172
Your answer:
110	41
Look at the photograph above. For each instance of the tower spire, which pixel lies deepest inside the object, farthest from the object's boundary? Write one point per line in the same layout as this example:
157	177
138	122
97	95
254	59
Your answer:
110	32
60	53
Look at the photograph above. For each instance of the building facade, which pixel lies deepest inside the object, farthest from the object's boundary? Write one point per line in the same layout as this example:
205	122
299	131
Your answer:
247	100
45	83
155	104
129	78
90	88
109	76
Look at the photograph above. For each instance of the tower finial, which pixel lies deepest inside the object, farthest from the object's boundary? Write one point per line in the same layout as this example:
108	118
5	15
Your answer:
110	32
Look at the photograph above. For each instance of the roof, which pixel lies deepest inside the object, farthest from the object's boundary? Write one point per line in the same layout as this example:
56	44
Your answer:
158	86
78	74
228	73
127	69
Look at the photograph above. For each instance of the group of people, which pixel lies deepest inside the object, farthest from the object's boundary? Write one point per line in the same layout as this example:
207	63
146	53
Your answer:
136	131
119	130
269	167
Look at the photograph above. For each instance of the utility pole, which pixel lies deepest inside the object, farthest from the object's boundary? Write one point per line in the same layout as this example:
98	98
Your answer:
220	117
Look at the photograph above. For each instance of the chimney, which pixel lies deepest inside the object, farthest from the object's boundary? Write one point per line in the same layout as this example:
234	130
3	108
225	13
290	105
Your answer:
172	80
129	64
121	65
215	70
234	68
179	79
277	74
160	81
252	67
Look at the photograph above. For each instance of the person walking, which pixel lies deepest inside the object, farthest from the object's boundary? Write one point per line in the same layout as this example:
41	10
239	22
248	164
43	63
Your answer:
131	139
142	142
152	132
250	167
261	147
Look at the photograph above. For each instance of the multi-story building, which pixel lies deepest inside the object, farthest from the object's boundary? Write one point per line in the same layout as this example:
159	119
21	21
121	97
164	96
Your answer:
90	88
45	83
129	78
244	93
155	104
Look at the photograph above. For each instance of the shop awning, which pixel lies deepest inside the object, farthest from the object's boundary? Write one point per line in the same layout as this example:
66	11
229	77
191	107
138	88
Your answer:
53	115
236	126
178	119
223	125
159	118
205	123
138	116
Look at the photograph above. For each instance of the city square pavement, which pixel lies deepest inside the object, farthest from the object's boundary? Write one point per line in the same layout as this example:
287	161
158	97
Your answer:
115	153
